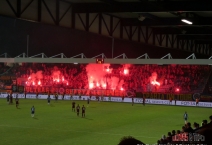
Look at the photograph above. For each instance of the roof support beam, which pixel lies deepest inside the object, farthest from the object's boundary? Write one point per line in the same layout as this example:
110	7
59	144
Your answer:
171	6
111	61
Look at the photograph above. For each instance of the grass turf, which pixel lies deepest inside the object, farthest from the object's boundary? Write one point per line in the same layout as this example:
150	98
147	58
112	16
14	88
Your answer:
105	123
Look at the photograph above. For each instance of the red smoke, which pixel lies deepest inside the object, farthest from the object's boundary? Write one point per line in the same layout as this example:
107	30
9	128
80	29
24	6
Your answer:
35	79
99	76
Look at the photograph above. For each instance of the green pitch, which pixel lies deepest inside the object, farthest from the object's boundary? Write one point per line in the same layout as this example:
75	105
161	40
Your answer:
104	124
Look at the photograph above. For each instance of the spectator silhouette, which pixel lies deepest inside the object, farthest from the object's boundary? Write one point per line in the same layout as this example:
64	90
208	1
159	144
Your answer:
129	140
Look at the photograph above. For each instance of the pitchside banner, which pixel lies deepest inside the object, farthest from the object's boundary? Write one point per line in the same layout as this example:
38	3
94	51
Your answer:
86	92
118	93
113	99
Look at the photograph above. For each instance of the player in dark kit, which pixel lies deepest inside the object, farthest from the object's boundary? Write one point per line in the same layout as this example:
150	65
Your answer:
78	109
197	101
132	100
170	100
48	99
16	102
37	94
90	95
56	97
80	96
8	98
97	98
71	96
83	111
88	101
62	96
144	99
122	98
73	106
11	98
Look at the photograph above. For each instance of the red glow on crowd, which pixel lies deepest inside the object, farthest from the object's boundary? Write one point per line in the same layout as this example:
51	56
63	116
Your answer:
145	78
36	79
99	77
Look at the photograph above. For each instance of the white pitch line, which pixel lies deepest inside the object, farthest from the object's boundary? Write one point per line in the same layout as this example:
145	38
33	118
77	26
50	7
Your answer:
75	131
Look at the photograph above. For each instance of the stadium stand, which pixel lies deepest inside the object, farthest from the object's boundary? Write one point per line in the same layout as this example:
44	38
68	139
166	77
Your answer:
187	78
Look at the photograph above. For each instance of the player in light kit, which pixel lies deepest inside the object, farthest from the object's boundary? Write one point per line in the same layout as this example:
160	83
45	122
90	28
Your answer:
78	109
185	116
33	111
83	111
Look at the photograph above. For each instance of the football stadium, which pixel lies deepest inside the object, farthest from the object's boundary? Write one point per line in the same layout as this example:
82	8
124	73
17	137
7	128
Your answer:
100	72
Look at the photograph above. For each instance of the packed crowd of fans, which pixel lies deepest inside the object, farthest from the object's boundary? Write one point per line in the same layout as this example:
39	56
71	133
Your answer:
188	135
184	77
196	134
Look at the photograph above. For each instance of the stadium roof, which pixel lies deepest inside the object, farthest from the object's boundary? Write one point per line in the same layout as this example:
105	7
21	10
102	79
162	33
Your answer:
163	15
